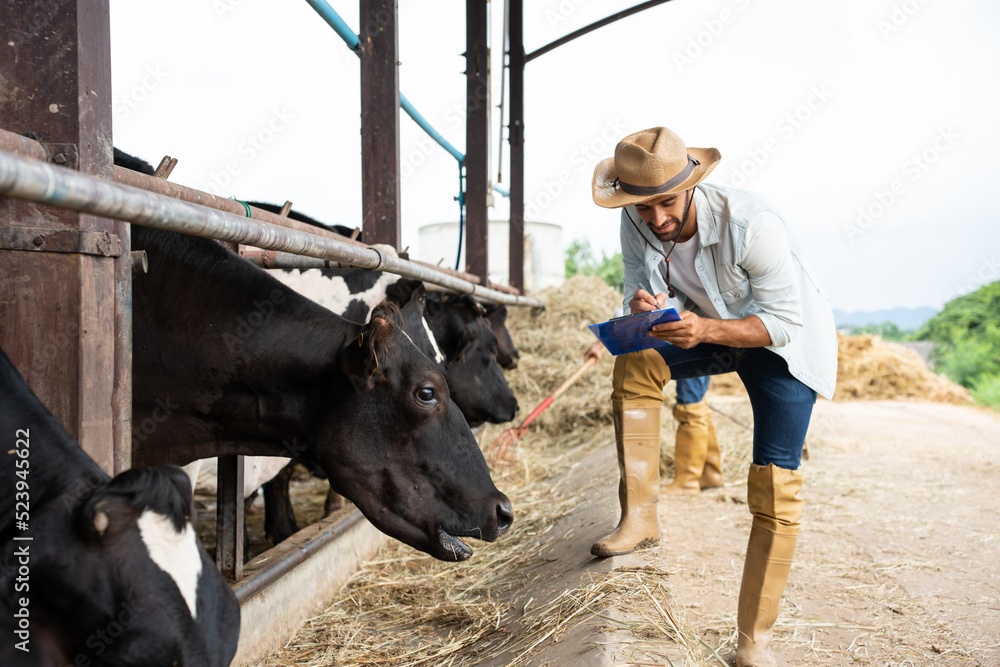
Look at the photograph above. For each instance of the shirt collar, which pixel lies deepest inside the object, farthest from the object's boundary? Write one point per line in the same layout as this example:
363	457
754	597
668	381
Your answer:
708	231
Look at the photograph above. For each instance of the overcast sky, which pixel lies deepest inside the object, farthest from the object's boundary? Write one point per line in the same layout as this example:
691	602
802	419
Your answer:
871	123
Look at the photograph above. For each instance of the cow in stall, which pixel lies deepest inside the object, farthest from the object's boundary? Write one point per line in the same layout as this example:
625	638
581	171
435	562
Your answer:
245	365
94	570
470	365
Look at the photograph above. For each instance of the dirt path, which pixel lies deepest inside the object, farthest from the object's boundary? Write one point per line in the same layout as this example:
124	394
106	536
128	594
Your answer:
898	562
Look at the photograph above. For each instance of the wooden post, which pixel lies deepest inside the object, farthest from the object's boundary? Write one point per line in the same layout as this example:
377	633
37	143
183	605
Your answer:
516	138
379	52
477	131
61	316
229	517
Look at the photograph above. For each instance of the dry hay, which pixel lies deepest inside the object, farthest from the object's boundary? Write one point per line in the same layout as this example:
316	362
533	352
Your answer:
871	368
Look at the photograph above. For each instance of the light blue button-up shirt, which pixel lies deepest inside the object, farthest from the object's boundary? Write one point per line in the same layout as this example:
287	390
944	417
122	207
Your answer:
748	263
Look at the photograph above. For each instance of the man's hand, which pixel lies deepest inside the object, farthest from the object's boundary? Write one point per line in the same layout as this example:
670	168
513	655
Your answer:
684	333
643	301
595	351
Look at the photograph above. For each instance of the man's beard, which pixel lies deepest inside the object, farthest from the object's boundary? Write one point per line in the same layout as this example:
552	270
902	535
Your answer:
671	235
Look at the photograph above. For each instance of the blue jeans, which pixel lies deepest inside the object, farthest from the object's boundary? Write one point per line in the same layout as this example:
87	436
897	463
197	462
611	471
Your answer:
782	405
691	390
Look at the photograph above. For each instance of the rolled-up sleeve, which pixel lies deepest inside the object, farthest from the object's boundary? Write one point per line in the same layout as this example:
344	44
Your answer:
767	259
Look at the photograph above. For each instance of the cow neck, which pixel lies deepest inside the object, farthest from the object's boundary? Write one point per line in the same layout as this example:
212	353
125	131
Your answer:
261	354
61	475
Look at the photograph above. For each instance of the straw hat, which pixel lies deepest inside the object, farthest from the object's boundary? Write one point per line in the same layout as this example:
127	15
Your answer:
648	165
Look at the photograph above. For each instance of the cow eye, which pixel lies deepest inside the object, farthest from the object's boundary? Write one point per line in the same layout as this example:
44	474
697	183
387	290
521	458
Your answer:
426	395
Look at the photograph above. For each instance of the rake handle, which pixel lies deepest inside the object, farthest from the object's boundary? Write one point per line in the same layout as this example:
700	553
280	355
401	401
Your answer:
560	390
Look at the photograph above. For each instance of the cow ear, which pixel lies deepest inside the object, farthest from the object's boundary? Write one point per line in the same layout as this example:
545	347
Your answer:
99	516
434	305
367	355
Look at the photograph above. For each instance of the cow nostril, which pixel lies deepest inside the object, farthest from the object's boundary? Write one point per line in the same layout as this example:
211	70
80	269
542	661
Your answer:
505	516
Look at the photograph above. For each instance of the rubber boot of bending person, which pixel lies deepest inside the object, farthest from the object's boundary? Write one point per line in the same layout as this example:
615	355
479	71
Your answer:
711	476
637	436
693	425
772	495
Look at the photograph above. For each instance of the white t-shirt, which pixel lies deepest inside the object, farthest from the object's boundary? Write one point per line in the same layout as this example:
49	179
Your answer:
683	276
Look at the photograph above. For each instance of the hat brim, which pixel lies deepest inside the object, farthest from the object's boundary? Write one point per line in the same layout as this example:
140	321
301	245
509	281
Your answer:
608	196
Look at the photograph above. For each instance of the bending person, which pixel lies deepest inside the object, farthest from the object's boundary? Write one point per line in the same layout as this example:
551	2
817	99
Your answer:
727	261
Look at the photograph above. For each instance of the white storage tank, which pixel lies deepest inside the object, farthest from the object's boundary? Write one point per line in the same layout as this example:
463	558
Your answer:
544	257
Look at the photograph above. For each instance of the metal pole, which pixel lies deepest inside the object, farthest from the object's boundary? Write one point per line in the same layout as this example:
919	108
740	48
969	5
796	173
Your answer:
477	138
593	26
379	51
516	139
23	178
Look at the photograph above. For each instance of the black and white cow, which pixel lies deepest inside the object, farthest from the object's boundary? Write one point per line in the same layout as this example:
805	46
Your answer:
94	570
228	360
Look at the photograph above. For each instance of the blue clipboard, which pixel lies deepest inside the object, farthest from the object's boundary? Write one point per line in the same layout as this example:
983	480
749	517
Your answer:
631	333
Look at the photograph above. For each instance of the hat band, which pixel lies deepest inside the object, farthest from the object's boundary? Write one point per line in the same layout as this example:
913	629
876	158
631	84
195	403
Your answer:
649	190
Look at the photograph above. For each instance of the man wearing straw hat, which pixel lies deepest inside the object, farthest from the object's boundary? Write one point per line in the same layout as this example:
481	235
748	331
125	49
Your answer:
726	260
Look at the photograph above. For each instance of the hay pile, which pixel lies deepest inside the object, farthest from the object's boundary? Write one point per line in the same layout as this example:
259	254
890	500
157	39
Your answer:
871	368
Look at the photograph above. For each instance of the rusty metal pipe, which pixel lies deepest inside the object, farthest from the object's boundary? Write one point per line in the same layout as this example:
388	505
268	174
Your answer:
33	180
20	145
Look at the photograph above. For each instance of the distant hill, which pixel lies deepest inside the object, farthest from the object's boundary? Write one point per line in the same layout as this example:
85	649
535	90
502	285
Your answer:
907	319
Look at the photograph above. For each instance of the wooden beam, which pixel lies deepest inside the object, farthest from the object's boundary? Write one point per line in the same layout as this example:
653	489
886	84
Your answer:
64	320
379	52
477	131
516	138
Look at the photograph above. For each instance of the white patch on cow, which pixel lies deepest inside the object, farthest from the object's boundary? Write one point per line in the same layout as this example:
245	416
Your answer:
257	471
332	292
438	357
175	553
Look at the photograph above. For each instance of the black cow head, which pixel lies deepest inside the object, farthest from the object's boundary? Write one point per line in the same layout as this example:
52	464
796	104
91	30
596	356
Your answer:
470	350
422	479
507	354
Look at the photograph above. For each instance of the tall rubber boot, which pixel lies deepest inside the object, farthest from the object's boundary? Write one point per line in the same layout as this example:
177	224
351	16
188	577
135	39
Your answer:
772	495
711	476
693	421
637	436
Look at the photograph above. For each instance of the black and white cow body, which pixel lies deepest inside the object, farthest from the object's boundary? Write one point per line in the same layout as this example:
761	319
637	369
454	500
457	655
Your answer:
228	360
112	572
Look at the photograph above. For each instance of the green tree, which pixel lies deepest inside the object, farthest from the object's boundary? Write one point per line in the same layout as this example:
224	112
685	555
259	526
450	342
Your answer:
967	331
580	259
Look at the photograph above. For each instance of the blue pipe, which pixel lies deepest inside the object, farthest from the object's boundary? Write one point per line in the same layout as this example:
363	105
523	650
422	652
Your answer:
422	122
461	212
341	28
337	23
498	189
